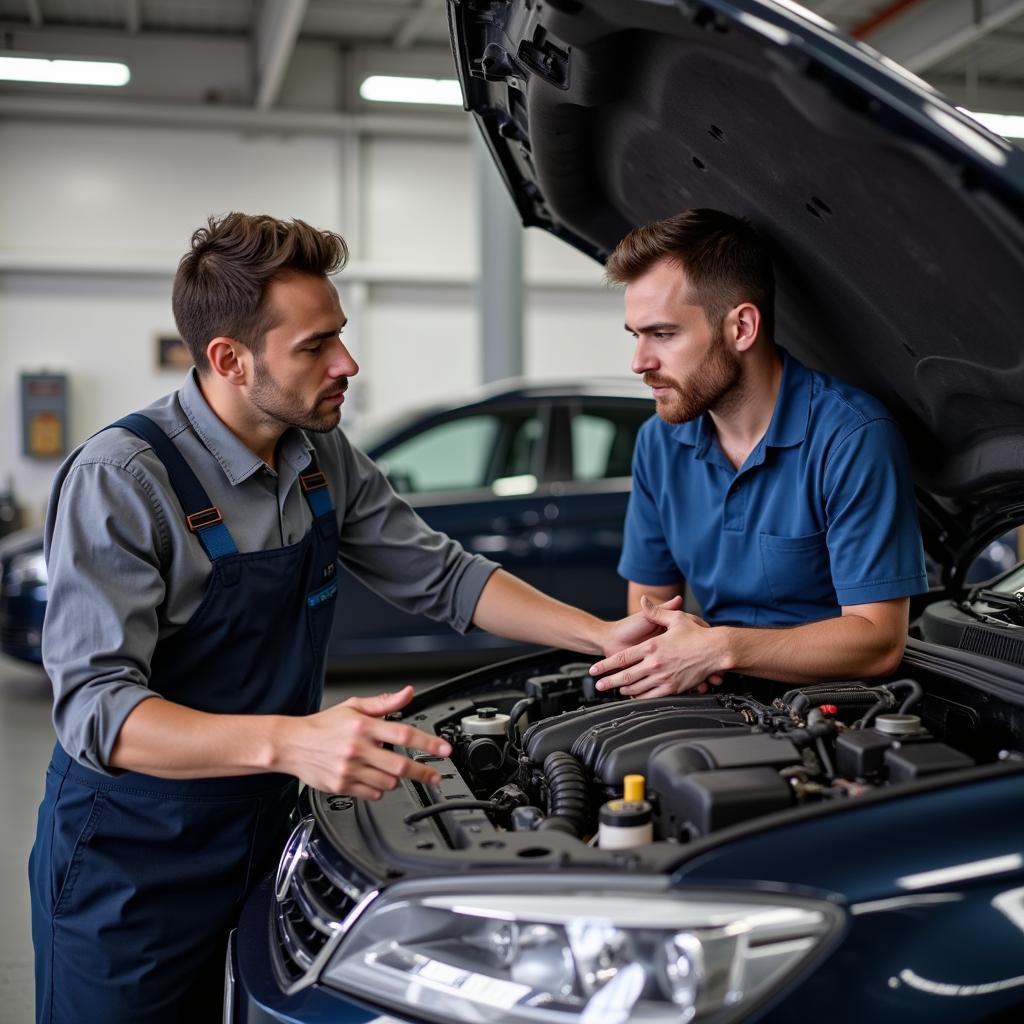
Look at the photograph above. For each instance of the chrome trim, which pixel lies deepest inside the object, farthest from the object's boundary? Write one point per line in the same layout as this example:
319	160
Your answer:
312	910
353	892
228	1013
294	852
293	947
316	967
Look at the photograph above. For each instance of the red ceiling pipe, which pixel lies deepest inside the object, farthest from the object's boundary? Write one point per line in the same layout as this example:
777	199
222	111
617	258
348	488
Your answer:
888	12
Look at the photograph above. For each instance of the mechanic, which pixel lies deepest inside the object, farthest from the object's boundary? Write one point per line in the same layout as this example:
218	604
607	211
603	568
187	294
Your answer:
782	496
192	553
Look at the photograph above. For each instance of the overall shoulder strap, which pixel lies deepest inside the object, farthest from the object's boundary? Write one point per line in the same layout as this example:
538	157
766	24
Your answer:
201	515
314	487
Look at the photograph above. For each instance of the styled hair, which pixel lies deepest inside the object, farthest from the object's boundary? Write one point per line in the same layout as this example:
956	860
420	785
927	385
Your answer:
220	288
724	258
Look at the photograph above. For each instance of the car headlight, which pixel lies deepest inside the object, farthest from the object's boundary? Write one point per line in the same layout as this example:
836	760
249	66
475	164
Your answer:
574	953
27	568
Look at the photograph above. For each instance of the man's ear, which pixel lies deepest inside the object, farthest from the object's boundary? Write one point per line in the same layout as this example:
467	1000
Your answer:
744	324
229	359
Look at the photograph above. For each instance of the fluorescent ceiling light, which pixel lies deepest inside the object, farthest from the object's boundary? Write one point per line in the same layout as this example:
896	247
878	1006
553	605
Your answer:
63	72
1010	126
393	89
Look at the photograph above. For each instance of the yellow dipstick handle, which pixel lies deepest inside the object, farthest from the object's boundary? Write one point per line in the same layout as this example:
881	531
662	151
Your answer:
633	788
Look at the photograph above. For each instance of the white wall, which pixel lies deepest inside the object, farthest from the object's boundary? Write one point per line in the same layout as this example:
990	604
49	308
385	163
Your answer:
94	218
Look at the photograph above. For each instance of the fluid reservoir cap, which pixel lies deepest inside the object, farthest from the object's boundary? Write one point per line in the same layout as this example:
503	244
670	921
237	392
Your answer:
633	788
625	813
898	725
486	722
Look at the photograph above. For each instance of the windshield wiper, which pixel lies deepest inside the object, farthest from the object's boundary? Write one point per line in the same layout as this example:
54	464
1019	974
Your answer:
1014	600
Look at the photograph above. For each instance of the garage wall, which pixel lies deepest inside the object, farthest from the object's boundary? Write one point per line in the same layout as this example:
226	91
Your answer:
93	220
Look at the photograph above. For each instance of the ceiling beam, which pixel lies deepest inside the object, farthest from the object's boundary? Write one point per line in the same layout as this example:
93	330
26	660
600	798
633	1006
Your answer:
277	28
451	124
133	16
418	20
921	34
35	13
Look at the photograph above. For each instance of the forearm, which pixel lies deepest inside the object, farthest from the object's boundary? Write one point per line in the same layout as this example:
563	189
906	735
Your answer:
174	742
513	609
846	647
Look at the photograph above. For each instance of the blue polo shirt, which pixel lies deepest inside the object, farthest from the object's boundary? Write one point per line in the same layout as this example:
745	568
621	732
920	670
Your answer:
821	515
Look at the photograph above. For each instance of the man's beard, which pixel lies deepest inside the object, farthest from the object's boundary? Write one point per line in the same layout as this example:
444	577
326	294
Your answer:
713	385
287	407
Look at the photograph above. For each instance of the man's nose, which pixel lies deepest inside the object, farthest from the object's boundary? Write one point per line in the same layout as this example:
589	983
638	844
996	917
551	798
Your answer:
343	365
643	358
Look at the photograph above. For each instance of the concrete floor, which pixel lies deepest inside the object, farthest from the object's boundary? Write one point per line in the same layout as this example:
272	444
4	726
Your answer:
26	740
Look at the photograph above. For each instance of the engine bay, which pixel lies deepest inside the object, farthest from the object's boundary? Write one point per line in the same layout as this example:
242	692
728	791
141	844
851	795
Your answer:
545	767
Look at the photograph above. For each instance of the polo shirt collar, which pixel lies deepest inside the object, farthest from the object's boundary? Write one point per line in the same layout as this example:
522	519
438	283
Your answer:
788	425
237	461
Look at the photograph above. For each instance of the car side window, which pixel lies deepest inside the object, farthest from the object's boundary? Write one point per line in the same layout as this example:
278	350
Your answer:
467	453
602	441
452	456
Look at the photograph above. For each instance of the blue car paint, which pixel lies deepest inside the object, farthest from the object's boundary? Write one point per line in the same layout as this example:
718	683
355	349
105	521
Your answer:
22	609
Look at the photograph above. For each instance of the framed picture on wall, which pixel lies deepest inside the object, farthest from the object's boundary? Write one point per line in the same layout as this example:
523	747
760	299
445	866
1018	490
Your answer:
172	353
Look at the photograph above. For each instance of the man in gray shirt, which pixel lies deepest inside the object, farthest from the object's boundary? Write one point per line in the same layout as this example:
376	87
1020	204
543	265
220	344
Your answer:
192	555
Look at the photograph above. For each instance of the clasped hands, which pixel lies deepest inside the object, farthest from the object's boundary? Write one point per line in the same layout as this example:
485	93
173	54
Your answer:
658	652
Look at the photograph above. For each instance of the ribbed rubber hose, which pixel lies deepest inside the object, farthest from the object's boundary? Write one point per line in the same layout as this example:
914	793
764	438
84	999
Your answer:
844	697
567	788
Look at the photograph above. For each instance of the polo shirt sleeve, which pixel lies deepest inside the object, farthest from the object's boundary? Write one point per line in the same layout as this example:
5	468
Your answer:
646	557
873	538
386	545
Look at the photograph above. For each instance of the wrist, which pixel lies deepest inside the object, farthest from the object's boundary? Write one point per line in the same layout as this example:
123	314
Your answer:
274	749
724	648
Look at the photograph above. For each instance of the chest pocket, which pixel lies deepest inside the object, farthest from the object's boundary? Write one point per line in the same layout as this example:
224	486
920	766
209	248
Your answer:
797	571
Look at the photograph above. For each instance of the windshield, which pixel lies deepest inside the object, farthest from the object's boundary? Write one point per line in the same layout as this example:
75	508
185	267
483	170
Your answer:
1011	583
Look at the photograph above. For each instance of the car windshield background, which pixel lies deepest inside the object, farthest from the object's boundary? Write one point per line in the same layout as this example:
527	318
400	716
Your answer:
467	453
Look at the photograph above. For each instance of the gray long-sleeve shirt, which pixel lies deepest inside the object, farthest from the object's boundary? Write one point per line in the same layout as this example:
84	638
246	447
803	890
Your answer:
125	572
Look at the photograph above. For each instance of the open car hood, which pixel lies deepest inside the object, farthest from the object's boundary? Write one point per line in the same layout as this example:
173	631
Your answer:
897	221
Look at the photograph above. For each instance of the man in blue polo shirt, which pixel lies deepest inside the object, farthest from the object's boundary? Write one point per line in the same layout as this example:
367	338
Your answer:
781	495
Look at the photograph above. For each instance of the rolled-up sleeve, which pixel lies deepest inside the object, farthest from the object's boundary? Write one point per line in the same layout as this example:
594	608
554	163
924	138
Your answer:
103	542
385	544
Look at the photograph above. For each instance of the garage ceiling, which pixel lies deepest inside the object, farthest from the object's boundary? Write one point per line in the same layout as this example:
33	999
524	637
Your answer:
310	55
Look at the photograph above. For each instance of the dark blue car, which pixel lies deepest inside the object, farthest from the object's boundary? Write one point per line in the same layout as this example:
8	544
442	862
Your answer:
846	851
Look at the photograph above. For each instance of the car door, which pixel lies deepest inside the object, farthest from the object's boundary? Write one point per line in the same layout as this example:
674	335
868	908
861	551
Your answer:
473	474
590	479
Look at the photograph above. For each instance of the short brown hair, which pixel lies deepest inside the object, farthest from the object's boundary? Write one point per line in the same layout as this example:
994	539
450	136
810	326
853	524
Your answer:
725	259
221	284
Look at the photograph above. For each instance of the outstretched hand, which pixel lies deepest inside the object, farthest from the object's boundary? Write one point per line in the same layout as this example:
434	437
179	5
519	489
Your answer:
671	657
342	747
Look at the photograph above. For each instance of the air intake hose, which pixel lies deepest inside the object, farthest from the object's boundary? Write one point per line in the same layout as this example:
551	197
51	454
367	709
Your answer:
567	791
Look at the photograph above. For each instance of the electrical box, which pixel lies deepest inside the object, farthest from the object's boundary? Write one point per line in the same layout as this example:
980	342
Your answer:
44	415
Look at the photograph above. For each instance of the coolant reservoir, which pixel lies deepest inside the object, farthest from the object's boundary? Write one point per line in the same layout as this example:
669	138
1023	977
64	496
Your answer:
486	722
626	823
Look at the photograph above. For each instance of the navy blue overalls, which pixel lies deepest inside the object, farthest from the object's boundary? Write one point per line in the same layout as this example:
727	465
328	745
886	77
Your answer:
136	881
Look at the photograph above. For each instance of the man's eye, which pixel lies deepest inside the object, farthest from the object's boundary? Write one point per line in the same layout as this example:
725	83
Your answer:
663	334
315	349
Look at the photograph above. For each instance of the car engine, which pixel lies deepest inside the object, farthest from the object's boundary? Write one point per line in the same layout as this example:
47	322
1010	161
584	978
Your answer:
557	756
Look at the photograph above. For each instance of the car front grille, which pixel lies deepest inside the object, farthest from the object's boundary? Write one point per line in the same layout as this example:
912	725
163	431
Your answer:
312	903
